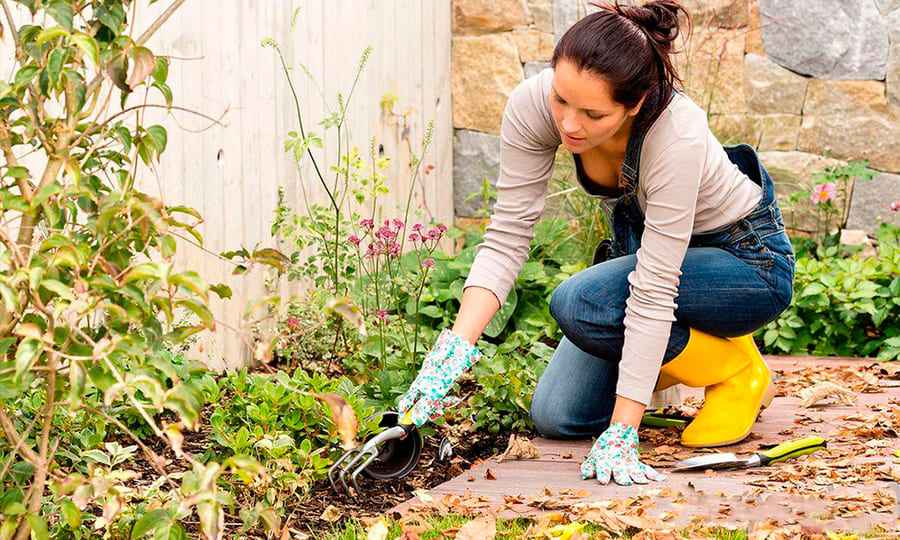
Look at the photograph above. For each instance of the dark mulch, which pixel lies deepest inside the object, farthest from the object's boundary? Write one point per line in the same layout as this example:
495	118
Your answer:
379	496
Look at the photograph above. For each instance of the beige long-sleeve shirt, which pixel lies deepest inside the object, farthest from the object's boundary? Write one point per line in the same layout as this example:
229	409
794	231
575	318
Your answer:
686	185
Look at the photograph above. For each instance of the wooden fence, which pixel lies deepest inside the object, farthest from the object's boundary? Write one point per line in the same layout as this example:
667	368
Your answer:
232	174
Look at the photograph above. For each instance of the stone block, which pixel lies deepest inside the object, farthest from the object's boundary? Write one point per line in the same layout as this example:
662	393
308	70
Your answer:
892	78
754	30
541	14
853	98
485	71
763	132
533	45
875	138
476	156
829	39
771	88
870	204
718	13
479	17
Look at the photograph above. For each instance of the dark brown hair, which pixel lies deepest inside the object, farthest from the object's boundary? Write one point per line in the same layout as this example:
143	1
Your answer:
630	47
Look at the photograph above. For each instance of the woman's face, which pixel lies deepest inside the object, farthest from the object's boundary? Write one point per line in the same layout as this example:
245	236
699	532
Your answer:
583	108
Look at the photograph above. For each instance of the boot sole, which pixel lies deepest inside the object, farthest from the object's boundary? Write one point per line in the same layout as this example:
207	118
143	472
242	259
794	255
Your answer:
768	396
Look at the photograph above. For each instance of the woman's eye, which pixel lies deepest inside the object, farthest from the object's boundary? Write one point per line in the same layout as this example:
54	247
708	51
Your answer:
592	117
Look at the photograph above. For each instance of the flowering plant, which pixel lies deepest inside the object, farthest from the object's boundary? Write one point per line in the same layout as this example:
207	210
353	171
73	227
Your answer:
830	197
385	277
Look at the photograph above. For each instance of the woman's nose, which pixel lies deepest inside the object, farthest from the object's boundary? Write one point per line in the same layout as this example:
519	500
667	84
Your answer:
570	125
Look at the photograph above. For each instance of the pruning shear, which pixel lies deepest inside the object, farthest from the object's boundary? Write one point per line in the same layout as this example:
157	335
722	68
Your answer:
782	452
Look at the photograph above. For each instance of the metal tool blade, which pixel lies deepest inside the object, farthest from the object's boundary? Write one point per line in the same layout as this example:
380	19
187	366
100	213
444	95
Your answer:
716	461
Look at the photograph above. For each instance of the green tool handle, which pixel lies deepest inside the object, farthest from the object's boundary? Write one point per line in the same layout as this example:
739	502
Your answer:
790	449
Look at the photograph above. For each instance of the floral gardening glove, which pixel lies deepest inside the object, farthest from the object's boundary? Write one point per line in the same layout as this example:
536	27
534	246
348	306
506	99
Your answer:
450	357
615	453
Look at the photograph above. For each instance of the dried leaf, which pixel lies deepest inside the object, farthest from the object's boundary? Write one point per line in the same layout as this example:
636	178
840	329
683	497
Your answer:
423	495
344	418
483	528
345	307
519	448
489	475
826	389
264	351
176	439
377	531
331	514
143	65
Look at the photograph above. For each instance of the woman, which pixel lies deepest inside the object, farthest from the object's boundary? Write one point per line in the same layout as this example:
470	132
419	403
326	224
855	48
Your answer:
699	259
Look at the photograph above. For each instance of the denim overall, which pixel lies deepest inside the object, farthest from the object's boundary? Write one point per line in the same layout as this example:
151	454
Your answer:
734	280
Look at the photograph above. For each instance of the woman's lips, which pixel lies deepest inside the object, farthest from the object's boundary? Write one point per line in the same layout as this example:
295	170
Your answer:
573	139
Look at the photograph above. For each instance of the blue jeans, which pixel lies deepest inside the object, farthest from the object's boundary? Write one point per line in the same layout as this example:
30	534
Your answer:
734	280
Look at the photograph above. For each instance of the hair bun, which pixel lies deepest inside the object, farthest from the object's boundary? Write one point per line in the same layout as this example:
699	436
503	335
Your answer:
659	18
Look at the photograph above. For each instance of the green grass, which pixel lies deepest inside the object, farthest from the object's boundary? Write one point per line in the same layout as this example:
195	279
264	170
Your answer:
507	529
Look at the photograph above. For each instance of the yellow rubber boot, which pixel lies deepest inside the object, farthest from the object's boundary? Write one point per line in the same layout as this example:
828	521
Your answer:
738	384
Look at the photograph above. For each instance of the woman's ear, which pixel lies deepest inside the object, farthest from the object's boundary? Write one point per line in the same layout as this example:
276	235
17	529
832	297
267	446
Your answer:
637	108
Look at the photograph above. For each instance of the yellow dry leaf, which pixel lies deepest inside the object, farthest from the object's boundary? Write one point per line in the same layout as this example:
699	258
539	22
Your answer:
565	532
331	513
483	528
377	530
344	418
423	495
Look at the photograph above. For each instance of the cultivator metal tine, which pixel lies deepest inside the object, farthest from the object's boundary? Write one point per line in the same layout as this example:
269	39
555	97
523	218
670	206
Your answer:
337	467
351	457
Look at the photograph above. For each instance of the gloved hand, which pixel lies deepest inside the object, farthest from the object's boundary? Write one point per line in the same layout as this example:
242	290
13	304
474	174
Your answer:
615	453
450	357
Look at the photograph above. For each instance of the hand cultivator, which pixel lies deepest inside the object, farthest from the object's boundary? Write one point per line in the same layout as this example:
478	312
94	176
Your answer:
392	453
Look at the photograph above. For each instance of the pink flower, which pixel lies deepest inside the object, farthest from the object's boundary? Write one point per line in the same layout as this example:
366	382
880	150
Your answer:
293	322
895	206
397	223
428	263
367	224
353	239
370	250
823	193
382	315
417	227
441	227
413	237
394	249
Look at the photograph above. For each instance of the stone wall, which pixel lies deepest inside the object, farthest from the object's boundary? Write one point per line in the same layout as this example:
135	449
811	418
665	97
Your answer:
809	84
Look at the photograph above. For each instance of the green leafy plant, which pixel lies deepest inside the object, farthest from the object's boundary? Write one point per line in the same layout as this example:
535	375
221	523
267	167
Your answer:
846	306
93	302
276	420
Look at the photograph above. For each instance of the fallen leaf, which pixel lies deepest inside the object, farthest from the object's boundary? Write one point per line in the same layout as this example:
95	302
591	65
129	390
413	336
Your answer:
331	513
489	475
483	528
344	418
565	532
824	390
423	495
377	531
519	448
